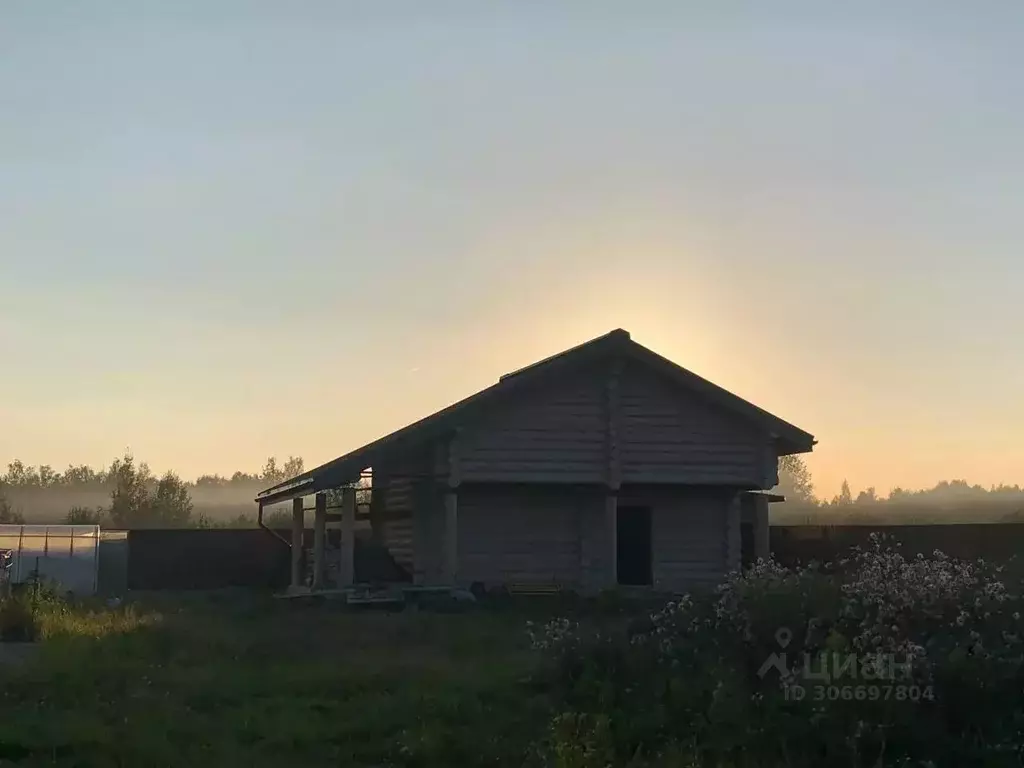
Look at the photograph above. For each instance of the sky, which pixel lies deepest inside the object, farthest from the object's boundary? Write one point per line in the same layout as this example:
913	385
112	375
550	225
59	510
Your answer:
230	230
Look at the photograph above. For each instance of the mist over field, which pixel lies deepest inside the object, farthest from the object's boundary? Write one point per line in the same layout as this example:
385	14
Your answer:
83	494
41	495
51	504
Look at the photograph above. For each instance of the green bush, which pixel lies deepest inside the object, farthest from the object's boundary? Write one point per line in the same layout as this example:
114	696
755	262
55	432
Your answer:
880	661
30	610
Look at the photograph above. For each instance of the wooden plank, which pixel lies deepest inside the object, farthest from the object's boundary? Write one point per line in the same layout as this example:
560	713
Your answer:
346	575
298	524
319	540
534	589
539	475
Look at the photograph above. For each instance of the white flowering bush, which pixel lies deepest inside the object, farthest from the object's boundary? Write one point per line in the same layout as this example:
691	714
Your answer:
557	634
929	650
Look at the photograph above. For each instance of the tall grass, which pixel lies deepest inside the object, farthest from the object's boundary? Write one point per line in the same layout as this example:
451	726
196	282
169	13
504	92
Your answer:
38	612
92	622
245	680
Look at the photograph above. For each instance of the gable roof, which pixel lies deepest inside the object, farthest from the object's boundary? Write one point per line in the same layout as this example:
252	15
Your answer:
347	469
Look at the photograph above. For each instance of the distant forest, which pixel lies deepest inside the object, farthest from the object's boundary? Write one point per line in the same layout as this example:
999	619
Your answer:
127	495
950	501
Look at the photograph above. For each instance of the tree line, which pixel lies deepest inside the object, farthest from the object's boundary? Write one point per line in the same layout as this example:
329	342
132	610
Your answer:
796	483
127	495
44	476
133	497
946	501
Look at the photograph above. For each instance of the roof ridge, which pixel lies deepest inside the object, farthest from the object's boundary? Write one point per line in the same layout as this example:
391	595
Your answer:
615	342
618	334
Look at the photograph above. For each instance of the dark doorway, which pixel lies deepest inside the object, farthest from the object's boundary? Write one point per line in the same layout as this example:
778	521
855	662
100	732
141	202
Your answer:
633	546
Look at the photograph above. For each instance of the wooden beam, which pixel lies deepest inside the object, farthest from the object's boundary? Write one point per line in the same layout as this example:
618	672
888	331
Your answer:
298	525
319	540
346	573
614	426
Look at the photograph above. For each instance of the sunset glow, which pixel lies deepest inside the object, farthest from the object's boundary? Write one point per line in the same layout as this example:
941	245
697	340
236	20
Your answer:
231	231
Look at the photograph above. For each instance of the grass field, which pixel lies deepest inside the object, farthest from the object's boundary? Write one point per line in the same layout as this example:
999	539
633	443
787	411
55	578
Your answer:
242	679
246	680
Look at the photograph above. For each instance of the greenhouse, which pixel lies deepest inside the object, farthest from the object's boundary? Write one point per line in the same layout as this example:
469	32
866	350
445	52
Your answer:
65	554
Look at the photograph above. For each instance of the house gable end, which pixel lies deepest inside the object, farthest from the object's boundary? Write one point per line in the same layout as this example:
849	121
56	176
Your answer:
671	434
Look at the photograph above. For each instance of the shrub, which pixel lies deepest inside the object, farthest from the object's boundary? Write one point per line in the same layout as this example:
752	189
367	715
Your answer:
38	611
17	619
29	609
879	661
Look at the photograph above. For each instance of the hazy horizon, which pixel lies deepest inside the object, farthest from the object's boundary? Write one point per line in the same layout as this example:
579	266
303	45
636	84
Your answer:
240	230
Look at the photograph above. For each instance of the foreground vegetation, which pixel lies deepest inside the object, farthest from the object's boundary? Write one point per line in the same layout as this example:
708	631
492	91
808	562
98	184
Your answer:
881	661
243	679
247	680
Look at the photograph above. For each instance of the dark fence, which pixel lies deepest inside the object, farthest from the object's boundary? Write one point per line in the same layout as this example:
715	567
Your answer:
215	558
191	558
211	558
112	575
803	543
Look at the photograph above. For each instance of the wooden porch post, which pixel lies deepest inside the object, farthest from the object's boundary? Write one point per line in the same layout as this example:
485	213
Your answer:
298	525
319	539
346	575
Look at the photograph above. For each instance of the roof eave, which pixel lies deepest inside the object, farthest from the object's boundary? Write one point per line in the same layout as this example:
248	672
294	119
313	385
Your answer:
790	444
291	489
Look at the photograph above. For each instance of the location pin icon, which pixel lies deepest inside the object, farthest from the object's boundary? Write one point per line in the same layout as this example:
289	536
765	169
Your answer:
782	636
